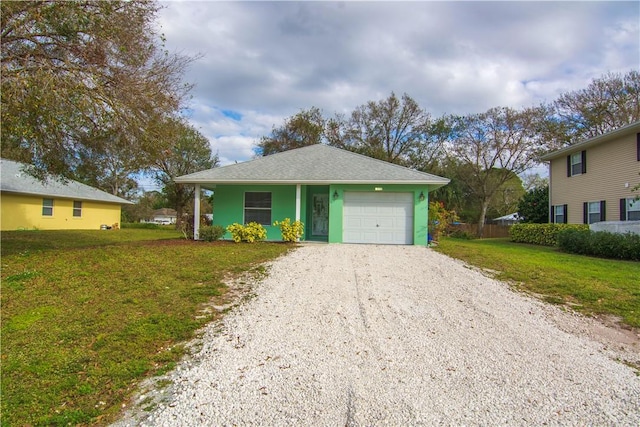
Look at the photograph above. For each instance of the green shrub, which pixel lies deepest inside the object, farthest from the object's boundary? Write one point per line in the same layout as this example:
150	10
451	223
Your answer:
601	244
252	232
541	234
211	233
290	232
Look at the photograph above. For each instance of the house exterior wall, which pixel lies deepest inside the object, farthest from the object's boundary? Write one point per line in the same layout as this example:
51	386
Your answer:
23	212
612	171
420	213
229	207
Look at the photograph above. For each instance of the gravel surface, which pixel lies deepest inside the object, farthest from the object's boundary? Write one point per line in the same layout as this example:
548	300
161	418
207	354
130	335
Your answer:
391	335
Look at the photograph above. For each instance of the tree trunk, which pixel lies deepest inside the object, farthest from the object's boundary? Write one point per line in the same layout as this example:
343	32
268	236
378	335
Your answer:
483	214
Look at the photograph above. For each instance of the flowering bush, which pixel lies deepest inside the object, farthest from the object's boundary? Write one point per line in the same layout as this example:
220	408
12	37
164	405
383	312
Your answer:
290	232
252	232
439	219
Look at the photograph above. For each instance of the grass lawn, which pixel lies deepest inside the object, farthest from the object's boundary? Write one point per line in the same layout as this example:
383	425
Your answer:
589	285
87	314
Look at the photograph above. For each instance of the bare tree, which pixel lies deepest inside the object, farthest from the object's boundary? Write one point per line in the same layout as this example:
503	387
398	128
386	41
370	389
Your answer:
493	146
387	130
608	103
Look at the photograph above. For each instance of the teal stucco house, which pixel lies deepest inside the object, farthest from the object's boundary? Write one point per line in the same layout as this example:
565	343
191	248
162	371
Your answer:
340	196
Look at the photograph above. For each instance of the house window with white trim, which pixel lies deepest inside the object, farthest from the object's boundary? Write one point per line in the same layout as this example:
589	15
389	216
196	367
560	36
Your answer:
257	207
560	214
77	208
47	207
576	164
593	213
633	209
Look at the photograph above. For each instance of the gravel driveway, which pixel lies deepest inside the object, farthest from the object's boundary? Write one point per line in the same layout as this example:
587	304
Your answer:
392	335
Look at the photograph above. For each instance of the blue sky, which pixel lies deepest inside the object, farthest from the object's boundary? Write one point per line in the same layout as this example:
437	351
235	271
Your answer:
265	61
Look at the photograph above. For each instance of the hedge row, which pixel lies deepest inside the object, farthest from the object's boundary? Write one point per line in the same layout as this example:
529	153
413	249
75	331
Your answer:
600	244
541	234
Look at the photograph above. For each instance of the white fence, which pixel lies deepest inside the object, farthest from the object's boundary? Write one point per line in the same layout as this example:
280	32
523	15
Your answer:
621	227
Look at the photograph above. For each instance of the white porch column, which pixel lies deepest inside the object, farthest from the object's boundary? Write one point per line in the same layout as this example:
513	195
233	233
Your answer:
196	214
298	187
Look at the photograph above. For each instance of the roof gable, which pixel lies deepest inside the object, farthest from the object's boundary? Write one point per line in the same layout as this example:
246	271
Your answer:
314	164
14	179
600	139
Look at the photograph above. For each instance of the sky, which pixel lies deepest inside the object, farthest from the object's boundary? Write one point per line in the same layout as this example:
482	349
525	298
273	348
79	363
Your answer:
262	62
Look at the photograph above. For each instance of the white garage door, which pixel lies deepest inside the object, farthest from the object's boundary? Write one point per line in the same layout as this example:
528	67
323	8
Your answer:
383	218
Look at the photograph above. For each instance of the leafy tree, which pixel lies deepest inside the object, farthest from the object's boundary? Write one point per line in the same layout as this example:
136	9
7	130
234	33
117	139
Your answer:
110	164
75	69
533	207
608	103
493	146
387	130
190	152
506	198
300	130
143	207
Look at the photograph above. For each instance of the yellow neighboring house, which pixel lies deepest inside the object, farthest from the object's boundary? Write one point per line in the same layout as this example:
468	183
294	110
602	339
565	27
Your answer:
27	203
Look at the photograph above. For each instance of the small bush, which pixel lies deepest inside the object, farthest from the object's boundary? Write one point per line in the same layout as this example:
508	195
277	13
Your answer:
541	234
290	232
211	233
601	244
252	232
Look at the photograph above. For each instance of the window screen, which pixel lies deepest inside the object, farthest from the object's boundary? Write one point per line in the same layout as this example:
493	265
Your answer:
257	207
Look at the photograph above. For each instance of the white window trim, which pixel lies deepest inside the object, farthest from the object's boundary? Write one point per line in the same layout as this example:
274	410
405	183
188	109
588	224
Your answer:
74	209
556	214
47	206
590	212
577	155
632	203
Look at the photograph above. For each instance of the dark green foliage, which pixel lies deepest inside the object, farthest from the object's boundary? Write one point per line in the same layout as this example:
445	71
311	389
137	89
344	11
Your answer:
462	234
601	244
141	225
533	207
211	233
541	234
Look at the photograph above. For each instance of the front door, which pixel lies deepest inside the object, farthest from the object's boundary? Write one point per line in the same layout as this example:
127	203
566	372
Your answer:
318	218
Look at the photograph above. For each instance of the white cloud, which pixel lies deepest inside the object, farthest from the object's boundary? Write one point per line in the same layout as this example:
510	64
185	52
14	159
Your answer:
268	60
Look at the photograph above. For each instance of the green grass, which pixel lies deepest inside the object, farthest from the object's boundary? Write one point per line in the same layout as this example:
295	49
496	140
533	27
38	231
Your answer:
589	285
86	315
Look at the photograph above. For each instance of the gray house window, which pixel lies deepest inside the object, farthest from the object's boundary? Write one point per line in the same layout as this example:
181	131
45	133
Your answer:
257	207
77	208
47	207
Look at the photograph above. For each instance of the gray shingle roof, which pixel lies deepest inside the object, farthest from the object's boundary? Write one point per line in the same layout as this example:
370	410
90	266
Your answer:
13	179
315	164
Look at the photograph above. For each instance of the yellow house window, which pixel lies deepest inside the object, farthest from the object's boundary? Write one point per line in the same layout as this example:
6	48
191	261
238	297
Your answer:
77	208
47	207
